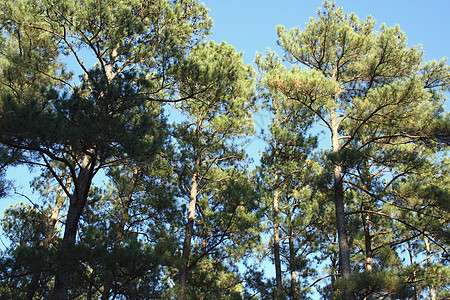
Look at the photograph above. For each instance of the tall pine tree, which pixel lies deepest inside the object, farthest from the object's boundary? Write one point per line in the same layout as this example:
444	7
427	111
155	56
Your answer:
356	79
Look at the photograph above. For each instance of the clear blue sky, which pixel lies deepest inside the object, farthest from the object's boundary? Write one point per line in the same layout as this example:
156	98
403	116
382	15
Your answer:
249	25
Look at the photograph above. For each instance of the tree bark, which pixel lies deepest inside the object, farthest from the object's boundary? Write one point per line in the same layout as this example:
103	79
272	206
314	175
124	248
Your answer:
428	248
66	261
276	234
367	242
344	249
368	246
276	241
411	261
292	256
189	230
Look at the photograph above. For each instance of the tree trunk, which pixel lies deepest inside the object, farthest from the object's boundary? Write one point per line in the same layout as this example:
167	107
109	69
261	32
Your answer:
428	248
367	242
276	240
411	261
66	262
344	249
189	231
276	234
368	246
292	256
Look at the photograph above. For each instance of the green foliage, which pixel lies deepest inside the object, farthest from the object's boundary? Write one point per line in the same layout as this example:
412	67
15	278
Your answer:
24	226
213	281
113	113
377	284
109	111
125	236
85	88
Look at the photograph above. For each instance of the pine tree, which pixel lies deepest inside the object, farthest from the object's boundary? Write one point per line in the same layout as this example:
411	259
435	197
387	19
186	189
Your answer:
114	112
354	80
219	118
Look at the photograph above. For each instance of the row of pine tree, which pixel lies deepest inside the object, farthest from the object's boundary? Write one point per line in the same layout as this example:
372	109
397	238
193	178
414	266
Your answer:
136	126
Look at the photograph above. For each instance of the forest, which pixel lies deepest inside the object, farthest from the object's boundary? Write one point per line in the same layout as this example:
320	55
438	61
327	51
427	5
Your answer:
135	127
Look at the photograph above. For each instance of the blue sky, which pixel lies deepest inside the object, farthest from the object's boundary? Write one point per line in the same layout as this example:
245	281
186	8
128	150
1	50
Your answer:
249	25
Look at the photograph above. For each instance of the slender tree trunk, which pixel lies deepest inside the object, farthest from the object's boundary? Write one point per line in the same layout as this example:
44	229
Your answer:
367	242
34	284
189	230
276	240
66	261
428	248
292	255
344	249
411	261
368	246
275	207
